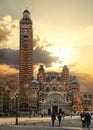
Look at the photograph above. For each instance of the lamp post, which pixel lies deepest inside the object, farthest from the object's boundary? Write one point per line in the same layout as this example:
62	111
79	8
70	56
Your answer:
16	109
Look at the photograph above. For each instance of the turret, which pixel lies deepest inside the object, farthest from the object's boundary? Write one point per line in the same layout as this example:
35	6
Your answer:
65	77
41	74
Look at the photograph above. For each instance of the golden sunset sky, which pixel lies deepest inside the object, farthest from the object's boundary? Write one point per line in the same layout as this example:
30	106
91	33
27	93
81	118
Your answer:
64	28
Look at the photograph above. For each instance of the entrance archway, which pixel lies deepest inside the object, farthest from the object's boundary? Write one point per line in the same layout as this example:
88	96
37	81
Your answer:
55	102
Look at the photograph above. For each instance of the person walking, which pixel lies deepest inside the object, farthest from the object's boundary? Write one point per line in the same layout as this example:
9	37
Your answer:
59	118
63	115
83	119
53	118
88	120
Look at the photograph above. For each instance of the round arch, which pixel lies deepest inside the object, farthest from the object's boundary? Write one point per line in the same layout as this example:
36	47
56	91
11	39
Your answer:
54	98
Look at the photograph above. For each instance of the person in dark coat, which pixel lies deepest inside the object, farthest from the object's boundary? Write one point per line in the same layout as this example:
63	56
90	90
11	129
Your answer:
59	118
53	117
88	120
83	119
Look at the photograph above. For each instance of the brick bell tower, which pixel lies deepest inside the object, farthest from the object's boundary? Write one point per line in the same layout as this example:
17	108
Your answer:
26	50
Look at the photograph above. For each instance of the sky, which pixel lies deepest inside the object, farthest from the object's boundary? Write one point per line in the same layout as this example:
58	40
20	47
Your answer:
63	35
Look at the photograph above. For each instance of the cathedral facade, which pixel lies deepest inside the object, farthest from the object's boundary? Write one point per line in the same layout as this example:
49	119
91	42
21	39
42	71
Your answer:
54	95
51	91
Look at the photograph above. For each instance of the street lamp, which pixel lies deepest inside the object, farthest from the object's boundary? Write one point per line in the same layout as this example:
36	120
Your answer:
16	109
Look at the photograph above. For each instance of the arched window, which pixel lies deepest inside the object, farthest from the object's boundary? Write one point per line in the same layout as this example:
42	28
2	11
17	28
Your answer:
42	98
47	89
25	37
54	88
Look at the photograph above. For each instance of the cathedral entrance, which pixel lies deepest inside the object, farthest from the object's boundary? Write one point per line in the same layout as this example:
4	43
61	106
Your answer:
55	109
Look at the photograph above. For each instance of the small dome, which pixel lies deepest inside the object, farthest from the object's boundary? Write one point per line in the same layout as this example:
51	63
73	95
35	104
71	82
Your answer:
34	81
26	12
74	81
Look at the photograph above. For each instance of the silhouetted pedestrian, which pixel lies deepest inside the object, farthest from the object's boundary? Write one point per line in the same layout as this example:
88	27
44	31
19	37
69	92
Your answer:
88	120
53	118
59	118
83	119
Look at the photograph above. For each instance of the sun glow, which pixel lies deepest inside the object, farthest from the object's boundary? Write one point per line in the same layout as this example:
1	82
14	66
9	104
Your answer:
64	53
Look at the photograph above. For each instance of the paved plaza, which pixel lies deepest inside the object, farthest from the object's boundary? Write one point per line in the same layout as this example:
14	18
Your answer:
42	123
38	128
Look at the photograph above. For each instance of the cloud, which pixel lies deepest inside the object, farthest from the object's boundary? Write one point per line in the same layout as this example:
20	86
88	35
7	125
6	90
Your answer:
41	43
7	70
71	66
5	31
9	57
44	57
8	27
40	55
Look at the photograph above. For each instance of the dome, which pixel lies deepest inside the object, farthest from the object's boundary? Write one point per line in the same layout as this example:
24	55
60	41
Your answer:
26	12
74	81
34	81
